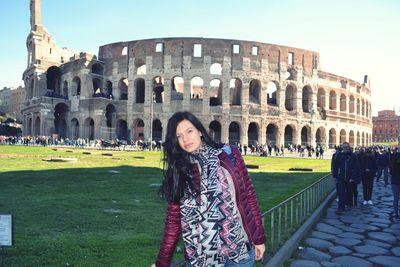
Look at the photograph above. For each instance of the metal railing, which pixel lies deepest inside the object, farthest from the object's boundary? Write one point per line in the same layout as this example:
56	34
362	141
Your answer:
285	218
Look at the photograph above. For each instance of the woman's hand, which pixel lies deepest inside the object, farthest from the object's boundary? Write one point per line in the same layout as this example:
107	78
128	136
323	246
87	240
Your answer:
259	250
153	265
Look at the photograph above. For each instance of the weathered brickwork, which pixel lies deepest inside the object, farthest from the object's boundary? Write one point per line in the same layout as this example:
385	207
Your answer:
386	126
244	91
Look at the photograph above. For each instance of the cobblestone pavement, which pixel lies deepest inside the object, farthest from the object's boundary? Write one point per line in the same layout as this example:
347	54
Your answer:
366	236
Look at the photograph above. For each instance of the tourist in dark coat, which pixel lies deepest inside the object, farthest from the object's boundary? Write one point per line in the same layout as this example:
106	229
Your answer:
344	169
368	171
394	166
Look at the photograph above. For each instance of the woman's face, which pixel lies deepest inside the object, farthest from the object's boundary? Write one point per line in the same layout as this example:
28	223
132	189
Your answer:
189	138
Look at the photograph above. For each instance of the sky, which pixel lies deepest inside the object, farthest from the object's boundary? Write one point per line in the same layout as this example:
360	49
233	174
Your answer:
353	38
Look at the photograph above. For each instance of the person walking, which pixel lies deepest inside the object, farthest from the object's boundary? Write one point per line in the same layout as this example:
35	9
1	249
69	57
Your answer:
344	168
382	162
394	167
212	203
368	170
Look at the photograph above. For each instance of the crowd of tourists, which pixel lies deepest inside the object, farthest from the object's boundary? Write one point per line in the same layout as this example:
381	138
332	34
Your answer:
275	150
366	166
114	144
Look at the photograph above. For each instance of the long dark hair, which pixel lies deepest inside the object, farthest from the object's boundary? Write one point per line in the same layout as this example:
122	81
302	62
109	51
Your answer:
177	167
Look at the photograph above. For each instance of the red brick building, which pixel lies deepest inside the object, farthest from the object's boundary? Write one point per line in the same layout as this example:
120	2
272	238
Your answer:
386	126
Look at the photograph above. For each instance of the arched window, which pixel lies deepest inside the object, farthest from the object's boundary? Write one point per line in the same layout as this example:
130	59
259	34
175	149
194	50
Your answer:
215	92
321	98
216	69
272	89
235	86
254	91
196	88
158	89
332	100
290	98
307	99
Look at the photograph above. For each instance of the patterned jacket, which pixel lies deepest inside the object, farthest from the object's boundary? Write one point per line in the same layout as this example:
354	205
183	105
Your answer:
246	202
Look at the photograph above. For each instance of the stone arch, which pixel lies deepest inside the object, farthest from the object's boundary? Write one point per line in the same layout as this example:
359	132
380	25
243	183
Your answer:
37	126
157	130
141	70
289	135
253	134
321	98
332	138
110	116
158	89
76	86
307	99
97	87
332	100
320	136
358	139
215	131
29	131
343	136
89	128
272	132
290	97
305	136
74	128
235	86
343	102
362	139
53	80
123	89
272	90
215	92
362	107
97	69
140	90
109	90
216	69
358	106
351	139
138	130
122	130
352	104
177	88
234	133
65	90
60	120
254	91
196	88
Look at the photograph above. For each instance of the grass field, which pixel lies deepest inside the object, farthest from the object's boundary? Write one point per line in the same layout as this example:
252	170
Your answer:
104	210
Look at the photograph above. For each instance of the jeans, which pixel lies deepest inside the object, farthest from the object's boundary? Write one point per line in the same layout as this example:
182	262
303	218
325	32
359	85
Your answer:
243	263
367	183
396	193
342	190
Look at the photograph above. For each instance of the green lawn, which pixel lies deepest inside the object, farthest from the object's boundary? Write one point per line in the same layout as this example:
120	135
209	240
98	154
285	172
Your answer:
81	214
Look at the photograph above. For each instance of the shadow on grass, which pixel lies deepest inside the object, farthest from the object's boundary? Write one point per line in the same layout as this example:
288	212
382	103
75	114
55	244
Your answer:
104	216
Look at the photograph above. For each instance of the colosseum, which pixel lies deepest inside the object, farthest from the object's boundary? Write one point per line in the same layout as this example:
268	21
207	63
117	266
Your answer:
244	91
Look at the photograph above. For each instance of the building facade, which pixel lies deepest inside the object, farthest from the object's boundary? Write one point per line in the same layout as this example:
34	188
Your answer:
244	91
386	126
5	94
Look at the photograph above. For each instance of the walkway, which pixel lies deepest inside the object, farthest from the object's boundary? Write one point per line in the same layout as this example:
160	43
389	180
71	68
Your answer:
365	236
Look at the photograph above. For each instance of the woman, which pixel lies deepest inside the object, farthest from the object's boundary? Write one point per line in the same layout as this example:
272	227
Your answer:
211	200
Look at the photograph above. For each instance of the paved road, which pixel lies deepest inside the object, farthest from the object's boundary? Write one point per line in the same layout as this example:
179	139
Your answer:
365	236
